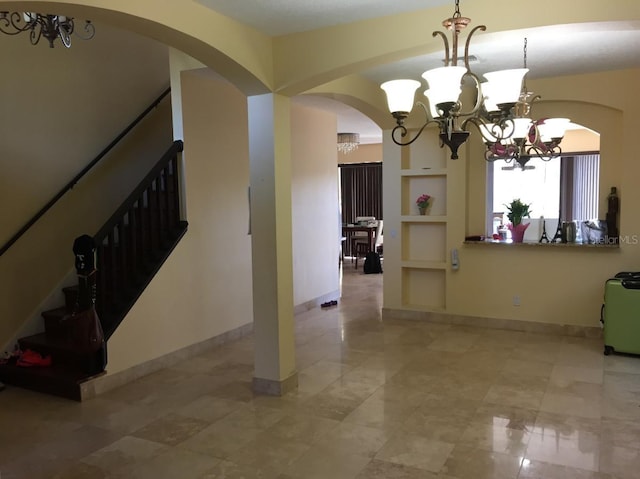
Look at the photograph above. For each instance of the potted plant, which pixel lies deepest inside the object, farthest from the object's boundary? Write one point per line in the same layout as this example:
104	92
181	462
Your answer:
423	202
517	211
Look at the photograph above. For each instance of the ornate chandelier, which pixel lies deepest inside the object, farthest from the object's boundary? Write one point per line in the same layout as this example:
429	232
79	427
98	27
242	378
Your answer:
347	142
48	26
502	88
529	139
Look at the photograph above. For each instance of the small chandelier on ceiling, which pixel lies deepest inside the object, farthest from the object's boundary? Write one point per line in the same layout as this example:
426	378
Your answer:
529	138
347	142
445	85
48	26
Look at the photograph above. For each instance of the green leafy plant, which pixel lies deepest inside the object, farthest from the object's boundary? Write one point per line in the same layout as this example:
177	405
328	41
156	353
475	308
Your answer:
517	211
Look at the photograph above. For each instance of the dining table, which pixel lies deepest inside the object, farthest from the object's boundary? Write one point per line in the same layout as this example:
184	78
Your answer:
349	229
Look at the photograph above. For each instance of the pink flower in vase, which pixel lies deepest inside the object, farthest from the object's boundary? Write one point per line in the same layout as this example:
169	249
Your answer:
423	203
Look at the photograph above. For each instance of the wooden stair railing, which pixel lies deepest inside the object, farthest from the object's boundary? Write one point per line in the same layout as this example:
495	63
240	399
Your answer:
69	186
136	240
131	247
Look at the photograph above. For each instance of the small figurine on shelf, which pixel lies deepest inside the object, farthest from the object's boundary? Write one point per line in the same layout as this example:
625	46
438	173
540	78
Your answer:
424	202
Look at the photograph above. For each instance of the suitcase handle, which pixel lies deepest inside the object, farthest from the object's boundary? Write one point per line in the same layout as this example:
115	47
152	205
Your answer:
602	315
631	283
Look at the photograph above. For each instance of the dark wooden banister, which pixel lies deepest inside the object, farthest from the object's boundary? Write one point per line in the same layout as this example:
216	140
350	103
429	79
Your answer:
84	171
176	147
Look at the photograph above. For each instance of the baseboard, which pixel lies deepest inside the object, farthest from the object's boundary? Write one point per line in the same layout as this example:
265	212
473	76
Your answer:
100	385
493	323
314	303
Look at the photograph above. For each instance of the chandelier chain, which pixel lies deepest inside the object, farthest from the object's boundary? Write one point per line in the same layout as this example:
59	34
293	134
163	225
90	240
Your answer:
457	12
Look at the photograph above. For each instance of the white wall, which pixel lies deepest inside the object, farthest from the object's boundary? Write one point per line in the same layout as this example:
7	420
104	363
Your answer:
316	223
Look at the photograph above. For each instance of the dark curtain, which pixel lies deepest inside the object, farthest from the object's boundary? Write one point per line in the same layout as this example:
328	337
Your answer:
361	190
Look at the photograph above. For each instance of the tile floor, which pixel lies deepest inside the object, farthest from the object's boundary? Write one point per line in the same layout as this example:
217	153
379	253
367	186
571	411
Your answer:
376	400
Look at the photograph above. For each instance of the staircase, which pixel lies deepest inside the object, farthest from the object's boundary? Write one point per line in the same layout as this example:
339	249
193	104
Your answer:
131	247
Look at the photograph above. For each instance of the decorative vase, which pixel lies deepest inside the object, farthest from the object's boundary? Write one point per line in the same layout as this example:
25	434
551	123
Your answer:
517	231
426	209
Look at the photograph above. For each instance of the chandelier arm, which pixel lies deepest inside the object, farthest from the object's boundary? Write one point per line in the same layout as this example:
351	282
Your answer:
35	34
89	31
478	103
466	45
65	37
13	21
403	133
549	153
446	46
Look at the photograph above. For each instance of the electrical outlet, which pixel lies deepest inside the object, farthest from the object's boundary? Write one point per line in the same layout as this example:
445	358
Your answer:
516	300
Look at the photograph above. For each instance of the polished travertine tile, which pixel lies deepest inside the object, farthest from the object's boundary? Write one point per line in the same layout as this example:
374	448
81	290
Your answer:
581	452
393	399
416	451
468	463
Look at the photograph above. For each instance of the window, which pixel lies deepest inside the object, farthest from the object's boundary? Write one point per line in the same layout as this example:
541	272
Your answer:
565	187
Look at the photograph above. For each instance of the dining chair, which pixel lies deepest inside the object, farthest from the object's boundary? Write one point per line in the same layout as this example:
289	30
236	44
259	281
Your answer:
362	246
359	235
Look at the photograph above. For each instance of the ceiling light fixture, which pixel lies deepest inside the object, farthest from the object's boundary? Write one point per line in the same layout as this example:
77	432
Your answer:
48	26
348	142
530	139
494	103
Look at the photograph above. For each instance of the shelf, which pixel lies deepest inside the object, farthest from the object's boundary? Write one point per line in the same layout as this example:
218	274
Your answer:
536	244
417	264
424	172
423	219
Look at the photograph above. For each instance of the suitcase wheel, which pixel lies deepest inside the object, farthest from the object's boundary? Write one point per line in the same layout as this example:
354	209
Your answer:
608	350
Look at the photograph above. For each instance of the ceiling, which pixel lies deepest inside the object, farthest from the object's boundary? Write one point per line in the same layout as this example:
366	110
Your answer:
551	51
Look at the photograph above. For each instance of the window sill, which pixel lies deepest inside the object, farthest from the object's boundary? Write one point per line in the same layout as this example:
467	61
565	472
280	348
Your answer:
534	244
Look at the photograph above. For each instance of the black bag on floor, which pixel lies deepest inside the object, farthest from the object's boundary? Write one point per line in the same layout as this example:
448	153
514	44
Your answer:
372	263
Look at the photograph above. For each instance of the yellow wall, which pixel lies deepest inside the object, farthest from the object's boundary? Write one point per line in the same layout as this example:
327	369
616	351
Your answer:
203	288
556	285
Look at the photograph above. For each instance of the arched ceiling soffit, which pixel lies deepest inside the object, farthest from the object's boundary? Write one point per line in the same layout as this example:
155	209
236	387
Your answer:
239	53
592	116
358	93
308	59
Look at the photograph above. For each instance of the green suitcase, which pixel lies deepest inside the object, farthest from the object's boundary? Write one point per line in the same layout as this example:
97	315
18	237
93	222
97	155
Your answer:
621	314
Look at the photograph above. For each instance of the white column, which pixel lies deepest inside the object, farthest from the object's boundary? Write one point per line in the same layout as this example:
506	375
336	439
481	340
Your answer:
271	243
